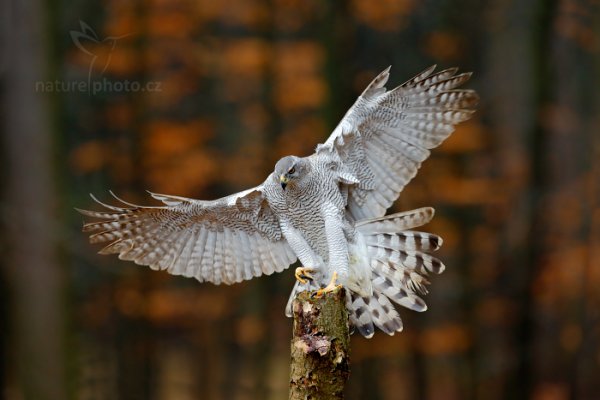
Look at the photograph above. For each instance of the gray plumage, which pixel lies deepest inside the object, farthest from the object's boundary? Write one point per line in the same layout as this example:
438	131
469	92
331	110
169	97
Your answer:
327	209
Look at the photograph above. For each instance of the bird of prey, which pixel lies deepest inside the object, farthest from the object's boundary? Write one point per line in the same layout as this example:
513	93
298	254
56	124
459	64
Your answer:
326	210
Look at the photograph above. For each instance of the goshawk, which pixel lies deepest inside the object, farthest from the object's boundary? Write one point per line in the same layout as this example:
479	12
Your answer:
327	209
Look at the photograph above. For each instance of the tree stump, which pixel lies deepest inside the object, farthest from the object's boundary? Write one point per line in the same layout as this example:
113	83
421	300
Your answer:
320	347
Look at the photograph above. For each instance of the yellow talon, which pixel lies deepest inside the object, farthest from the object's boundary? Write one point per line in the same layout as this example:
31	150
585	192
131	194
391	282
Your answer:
304	274
331	286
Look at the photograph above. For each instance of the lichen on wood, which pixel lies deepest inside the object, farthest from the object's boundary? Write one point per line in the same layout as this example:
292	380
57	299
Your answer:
320	346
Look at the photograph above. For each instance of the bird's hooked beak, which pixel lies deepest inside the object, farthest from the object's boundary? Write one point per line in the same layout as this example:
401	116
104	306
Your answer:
283	180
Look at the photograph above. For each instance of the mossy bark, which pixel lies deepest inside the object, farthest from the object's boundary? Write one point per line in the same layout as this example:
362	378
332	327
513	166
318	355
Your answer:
320	348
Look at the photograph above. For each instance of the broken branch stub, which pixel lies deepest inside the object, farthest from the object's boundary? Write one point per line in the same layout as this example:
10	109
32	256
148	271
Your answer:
320	346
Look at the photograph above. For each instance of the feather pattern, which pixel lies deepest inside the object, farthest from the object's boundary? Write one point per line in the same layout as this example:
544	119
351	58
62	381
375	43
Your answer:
399	264
327	209
220	241
396	129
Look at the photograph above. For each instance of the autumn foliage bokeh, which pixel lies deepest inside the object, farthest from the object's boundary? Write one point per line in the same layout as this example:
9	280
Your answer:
235	86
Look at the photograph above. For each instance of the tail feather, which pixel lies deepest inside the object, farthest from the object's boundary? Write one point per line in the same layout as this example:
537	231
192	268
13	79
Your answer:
401	277
407	240
395	223
398	294
376	310
361	315
295	290
385	316
418	261
399	267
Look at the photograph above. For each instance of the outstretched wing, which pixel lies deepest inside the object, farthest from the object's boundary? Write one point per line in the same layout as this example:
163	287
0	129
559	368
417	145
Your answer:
222	241
386	135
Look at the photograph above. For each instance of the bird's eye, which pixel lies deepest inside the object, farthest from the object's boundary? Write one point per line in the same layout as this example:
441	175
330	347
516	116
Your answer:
292	170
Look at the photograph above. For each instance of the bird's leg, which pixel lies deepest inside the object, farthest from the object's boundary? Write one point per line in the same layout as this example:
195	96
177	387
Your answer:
331	286
304	274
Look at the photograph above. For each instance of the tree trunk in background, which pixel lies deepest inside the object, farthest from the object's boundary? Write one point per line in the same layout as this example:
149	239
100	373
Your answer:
516	35
320	364
29	225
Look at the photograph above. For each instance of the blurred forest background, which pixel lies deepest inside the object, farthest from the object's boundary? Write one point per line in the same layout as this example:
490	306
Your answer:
199	98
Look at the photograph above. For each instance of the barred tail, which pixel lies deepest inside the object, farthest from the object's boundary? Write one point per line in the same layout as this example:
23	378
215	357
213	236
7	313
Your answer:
399	263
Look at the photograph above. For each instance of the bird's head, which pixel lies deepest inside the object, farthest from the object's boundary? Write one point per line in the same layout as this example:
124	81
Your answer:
290	170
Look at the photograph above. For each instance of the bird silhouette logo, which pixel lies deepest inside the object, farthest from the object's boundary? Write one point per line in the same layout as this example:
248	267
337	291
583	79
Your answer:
88	41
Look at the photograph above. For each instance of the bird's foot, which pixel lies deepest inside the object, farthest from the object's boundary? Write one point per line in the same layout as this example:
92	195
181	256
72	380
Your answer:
304	274
331	286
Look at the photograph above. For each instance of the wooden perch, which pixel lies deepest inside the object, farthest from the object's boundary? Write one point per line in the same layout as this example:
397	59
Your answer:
320	363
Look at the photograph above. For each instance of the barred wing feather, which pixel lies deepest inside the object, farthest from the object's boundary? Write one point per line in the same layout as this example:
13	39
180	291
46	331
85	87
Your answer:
222	241
386	135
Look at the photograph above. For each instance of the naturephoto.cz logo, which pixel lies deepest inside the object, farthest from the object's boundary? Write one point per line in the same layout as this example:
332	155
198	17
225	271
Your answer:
100	52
